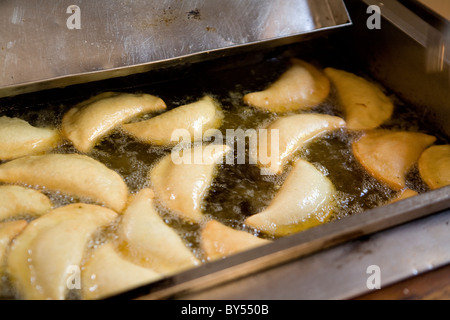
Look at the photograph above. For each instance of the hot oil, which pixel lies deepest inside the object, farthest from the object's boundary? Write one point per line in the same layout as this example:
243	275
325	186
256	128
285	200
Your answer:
238	190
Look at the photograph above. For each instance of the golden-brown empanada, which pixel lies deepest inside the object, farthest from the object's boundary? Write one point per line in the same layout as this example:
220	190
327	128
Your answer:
18	138
404	194
195	118
41	256
302	86
434	166
365	105
306	199
106	273
8	231
73	174
293	133
85	124
219	241
19	201
148	241
181	187
389	155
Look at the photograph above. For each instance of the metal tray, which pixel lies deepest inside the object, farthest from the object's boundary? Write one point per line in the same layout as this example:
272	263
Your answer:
52	44
396	55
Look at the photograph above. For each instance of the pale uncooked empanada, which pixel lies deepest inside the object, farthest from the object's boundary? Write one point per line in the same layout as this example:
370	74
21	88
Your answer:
219	241
195	118
18	138
8	231
434	166
293	132
85	124
389	155
41	257
107	273
302	86
18	201
365	105
181	187
73	174
306	199
148	241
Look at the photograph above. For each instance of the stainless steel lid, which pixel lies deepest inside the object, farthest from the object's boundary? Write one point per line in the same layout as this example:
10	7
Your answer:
47	43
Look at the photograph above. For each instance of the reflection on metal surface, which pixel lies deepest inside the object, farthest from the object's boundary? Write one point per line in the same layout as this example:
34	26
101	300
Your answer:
437	49
37	45
407	57
440	7
435	40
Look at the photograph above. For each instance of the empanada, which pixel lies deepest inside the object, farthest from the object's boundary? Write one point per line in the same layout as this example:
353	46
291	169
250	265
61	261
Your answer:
148	241
389	155
73	174
85	124
364	104
18	138
181	187
293	133
302	86
434	166
40	256
404	194
107	273
8	231
219	241
306	199
18	201
195	118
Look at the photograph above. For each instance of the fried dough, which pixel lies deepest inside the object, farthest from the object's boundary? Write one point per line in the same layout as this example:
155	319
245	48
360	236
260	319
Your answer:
181	187
18	138
195	118
73	174
107	273
219	241
148	241
293	133
389	155
85	124
434	166
40	256
8	231
302	86
365	105
306	199
404	194
17	201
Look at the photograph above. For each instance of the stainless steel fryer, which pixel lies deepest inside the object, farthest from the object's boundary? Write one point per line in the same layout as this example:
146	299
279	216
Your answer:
408	55
404	239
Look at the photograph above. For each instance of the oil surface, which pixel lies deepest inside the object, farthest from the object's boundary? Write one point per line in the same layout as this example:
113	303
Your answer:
238	190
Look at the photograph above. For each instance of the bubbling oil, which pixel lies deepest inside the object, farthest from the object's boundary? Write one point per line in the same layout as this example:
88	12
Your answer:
238	190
